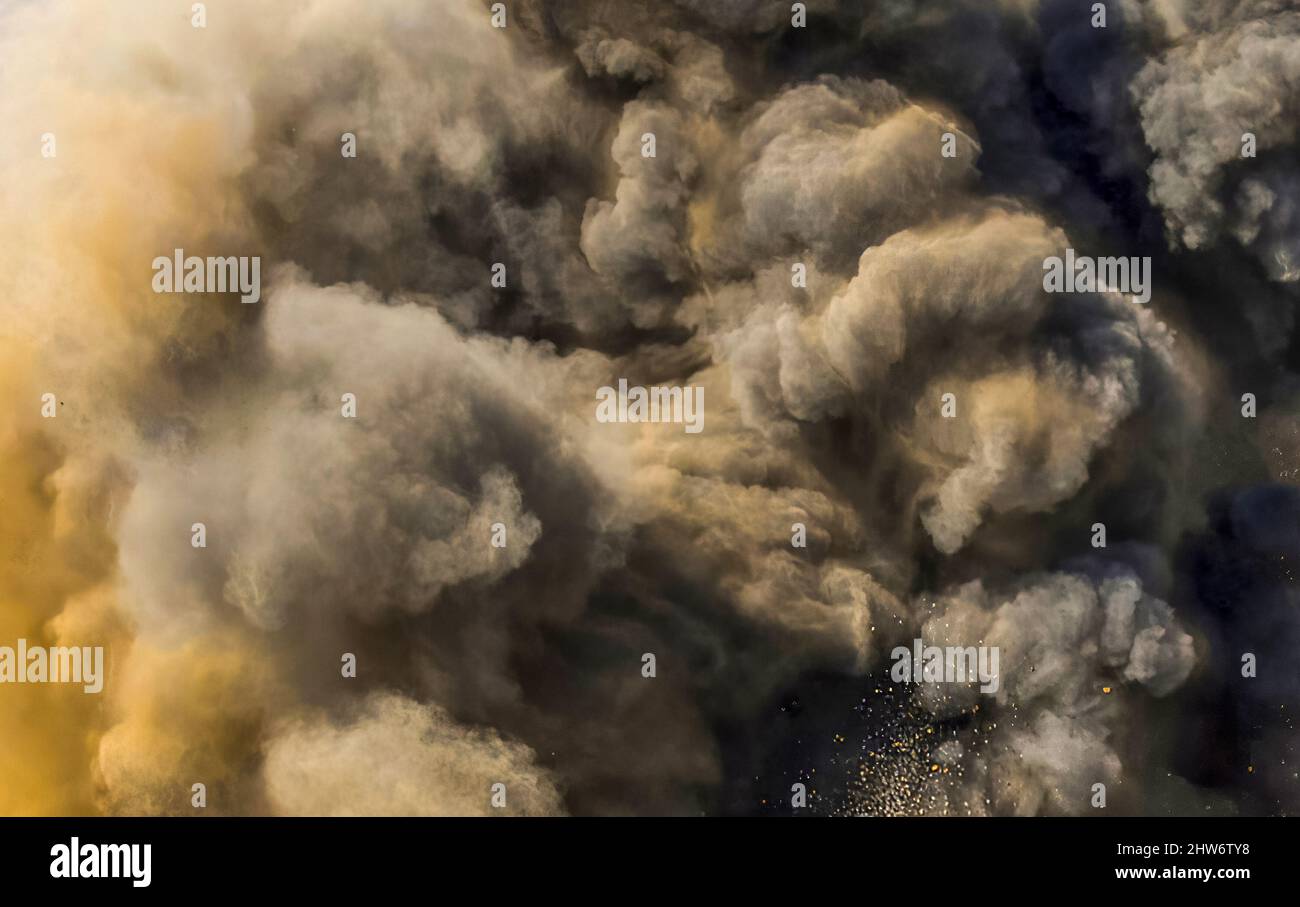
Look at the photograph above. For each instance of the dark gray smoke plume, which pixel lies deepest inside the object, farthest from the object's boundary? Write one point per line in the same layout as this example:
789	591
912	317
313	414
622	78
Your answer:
841	231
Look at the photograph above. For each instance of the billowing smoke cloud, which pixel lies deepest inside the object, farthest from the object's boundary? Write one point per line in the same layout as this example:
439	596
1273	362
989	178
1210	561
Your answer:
834	231
878	351
1226	93
368	767
1069	650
